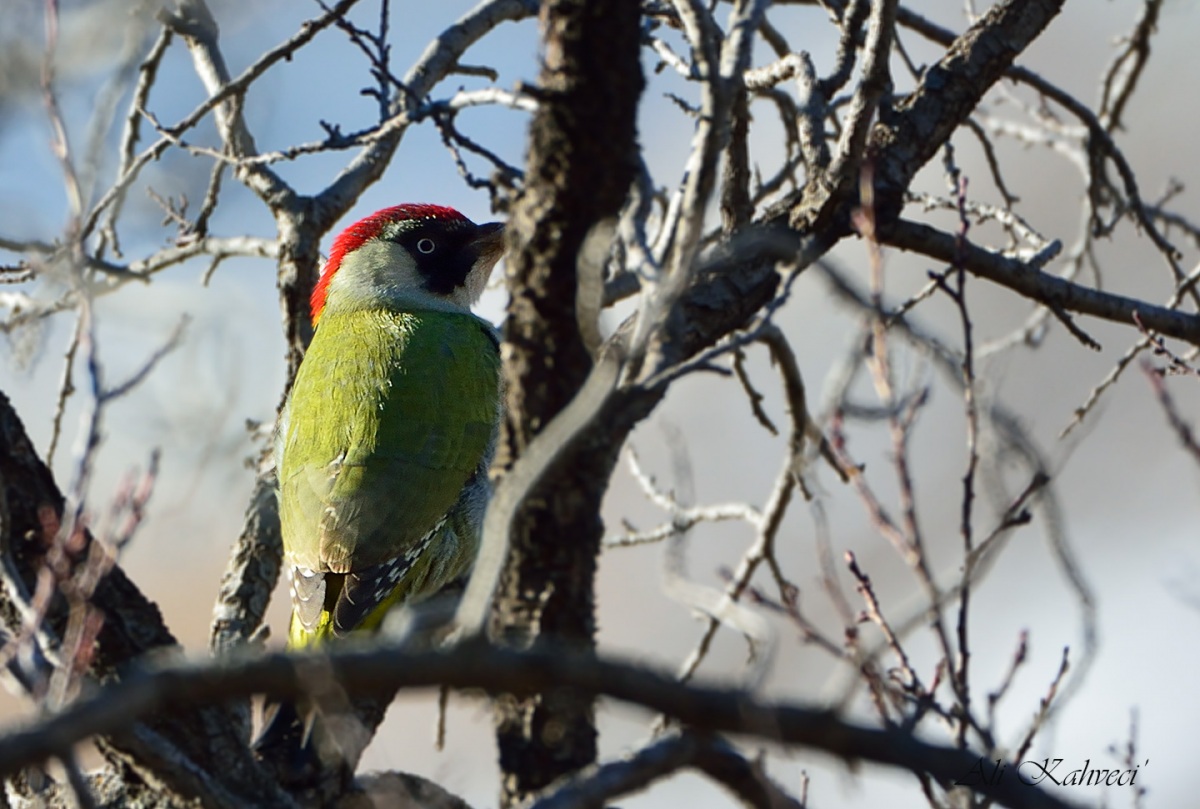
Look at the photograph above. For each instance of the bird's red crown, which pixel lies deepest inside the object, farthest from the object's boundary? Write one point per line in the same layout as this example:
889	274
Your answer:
363	231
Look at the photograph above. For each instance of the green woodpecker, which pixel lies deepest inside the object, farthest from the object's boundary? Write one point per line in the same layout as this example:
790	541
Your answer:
384	444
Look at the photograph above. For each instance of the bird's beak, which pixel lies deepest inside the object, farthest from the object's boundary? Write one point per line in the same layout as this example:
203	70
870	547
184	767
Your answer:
489	242
488	246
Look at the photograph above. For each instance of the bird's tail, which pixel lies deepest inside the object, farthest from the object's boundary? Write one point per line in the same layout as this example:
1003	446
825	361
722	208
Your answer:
317	741
285	743
317	746
293	740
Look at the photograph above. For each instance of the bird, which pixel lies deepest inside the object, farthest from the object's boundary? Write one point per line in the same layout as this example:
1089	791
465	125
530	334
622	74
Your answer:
388	431
384	442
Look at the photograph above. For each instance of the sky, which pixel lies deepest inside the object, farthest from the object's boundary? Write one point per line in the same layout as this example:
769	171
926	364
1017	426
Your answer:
1128	491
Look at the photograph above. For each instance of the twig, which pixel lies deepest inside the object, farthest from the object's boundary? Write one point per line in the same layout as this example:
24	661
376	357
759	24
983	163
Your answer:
1044	709
1182	429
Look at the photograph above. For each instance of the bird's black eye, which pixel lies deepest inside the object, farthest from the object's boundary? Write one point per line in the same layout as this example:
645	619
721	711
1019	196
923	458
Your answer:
426	246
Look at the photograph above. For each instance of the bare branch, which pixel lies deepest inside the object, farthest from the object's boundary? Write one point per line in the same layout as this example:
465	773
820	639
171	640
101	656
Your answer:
497	670
1039	286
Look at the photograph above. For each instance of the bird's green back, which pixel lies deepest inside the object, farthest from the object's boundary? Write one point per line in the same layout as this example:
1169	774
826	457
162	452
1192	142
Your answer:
390	415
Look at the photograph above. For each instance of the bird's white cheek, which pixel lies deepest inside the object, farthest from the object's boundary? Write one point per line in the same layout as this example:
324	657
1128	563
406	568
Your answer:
477	280
376	272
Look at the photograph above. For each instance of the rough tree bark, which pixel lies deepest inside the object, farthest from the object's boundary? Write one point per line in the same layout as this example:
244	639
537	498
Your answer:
194	750
582	157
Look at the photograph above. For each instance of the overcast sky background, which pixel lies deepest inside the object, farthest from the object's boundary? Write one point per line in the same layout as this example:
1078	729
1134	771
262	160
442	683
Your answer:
1129	492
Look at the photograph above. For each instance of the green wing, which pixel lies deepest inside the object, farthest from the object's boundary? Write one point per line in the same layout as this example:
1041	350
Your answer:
390	415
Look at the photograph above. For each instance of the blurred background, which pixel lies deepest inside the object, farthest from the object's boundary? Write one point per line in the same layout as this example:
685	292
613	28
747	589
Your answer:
1127	489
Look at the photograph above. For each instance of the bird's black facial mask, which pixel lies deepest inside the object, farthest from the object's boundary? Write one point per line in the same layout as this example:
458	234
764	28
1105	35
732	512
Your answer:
444	252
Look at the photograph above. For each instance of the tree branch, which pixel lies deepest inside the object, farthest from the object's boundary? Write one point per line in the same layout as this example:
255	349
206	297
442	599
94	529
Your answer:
383	668
1028	280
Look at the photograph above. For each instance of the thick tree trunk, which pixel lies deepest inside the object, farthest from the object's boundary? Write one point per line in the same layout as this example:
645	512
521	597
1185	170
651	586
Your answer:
581	163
